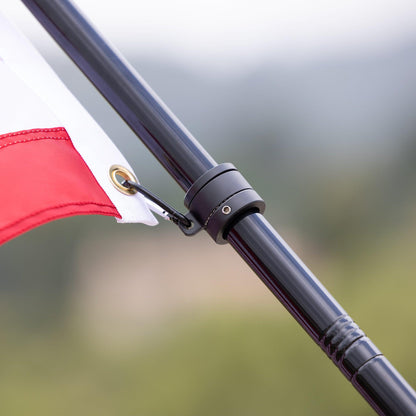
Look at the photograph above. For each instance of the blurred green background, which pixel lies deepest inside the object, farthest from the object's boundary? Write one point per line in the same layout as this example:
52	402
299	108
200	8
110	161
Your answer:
106	319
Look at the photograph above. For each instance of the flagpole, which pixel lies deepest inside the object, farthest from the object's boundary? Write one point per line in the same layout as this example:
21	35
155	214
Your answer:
249	233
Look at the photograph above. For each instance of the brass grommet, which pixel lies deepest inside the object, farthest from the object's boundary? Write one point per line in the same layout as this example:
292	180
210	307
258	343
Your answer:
117	171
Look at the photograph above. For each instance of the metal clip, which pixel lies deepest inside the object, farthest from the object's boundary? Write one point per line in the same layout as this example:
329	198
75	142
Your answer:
125	182
174	215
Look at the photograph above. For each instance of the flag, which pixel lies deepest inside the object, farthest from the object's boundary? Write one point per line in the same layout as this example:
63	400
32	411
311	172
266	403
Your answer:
54	158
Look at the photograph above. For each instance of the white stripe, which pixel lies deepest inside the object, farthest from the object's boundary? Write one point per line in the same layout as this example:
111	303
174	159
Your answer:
20	108
95	147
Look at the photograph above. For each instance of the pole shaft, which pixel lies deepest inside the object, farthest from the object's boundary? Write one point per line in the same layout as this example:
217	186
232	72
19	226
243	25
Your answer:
322	317
252	237
159	129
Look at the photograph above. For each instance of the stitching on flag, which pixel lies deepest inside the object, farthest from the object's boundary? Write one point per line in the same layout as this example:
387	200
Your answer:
25	132
55	207
32	225
32	140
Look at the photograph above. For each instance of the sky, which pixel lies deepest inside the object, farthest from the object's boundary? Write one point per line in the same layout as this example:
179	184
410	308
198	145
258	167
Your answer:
224	35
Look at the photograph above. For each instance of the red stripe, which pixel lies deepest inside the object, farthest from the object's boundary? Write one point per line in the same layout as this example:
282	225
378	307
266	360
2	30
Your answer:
42	178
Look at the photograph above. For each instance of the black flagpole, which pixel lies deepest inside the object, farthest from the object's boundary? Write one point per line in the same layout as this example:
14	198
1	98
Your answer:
248	231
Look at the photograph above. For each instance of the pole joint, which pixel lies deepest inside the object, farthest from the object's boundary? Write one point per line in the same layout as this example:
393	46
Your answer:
218	199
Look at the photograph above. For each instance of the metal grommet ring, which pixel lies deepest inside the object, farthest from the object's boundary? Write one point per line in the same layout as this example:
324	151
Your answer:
117	171
226	209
